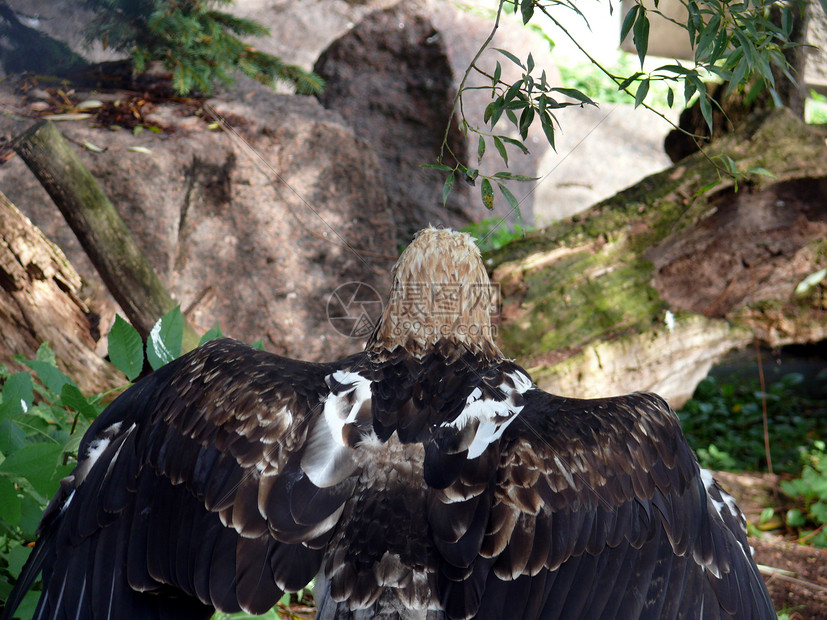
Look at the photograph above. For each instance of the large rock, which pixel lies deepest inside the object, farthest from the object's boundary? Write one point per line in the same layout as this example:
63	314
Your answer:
253	228
391	79
394	76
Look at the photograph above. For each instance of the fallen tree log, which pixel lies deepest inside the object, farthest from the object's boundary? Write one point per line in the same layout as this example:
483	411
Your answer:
40	302
646	290
122	266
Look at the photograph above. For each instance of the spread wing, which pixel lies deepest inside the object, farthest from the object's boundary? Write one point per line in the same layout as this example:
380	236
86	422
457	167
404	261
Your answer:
191	493
592	509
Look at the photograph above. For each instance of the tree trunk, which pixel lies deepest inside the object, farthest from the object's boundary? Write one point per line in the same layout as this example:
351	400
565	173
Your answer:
40	302
100	230
647	289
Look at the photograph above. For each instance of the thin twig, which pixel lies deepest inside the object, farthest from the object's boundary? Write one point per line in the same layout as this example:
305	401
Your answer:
458	96
763	403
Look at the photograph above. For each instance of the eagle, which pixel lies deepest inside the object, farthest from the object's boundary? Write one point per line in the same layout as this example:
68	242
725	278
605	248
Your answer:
426	477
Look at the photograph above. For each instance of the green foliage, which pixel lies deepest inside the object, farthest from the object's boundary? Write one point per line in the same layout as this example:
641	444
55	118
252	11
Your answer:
165	339
126	349
199	44
816	109
43	416
724	424
493	233
593	82
811	491
737	43
41	422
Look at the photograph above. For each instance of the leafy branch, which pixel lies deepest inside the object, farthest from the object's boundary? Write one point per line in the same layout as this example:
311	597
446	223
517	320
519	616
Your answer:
738	43
199	44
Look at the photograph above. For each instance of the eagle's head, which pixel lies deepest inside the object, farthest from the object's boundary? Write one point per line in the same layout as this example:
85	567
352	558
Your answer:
440	291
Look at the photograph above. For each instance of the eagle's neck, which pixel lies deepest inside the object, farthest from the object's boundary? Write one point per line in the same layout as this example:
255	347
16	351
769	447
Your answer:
441	292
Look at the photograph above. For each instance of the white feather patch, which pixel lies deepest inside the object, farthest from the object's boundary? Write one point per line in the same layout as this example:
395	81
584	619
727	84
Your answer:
327	460
493	416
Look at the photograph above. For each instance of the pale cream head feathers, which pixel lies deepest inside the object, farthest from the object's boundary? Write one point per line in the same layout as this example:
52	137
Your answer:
440	291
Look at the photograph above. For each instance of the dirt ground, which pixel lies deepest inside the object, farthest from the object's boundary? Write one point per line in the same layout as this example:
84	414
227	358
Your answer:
796	574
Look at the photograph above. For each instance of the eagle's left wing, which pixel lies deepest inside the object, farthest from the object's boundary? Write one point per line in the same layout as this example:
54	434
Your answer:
194	491
591	509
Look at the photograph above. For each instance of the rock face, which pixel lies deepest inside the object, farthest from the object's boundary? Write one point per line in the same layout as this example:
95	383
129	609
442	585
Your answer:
253	228
394	77
391	79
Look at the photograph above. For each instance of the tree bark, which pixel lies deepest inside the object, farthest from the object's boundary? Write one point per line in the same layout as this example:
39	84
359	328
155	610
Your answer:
100	230
40	302
647	289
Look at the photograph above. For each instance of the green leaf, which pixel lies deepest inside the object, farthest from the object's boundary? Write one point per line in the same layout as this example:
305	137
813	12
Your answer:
165	337
73	443
258	344
625	83
126	351
512	200
642	91
641	36
708	35
17	558
737	76
706	109
670	97
628	21
526	118
49	375
37	463
516	143
9	501
510	57
501	149
72	397
487	193
45	354
446	188
12	437
437	167
810	281
526	11
795	518
493	111
575	94
212	334
547	123
510	176
481	148
763	172
18	394
31	512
